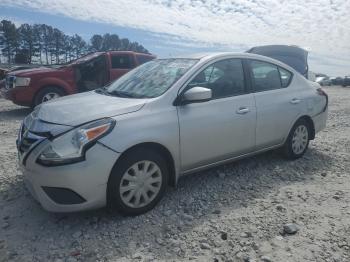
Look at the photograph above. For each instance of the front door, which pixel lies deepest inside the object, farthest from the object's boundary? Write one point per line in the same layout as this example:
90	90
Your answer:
223	127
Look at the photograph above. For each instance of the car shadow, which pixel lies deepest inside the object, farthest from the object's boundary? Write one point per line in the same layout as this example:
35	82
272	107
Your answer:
15	114
204	196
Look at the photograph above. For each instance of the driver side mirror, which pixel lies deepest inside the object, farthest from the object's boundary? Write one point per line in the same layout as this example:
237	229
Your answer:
196	94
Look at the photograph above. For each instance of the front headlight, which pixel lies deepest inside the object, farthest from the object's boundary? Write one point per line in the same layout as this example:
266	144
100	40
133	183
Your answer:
22	81
71	147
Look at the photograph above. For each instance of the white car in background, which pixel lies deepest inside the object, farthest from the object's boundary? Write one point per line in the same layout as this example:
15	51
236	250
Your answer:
323	80
125	143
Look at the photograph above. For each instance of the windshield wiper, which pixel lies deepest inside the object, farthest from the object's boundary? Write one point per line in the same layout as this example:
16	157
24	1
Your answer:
124	94
102	91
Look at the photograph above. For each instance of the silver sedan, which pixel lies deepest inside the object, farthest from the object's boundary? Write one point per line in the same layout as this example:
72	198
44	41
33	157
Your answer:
123	144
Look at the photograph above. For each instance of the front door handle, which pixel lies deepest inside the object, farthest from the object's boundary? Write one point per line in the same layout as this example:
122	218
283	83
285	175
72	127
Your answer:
295	101
242	110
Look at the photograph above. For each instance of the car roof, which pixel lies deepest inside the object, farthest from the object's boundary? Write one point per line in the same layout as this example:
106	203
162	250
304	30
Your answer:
213	55
129	52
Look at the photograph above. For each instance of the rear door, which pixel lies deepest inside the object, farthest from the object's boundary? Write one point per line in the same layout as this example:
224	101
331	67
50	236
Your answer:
120	64
277	104
223	127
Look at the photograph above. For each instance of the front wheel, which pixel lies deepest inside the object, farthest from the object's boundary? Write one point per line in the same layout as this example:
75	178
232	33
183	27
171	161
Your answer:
47	94
298	140
137	182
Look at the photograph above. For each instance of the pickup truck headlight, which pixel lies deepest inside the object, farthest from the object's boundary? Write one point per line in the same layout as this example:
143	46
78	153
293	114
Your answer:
22	81
71	146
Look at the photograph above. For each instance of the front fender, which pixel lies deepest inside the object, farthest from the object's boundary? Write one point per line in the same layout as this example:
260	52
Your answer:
53	81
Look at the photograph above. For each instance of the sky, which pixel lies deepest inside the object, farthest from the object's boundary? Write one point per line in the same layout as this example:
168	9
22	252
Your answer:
173	27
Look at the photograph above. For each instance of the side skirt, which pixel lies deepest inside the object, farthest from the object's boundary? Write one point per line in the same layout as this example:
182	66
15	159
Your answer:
225	161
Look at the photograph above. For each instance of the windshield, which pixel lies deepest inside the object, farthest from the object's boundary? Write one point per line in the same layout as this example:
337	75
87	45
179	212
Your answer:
151	79
83	59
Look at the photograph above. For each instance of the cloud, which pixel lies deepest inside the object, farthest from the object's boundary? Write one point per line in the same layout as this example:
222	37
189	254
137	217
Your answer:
321	25
17	21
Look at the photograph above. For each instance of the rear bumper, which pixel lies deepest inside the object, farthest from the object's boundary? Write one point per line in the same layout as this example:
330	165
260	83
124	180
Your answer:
320	121
70	188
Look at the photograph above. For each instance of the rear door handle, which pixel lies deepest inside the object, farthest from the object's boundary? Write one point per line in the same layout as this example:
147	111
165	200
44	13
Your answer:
242	110
295	101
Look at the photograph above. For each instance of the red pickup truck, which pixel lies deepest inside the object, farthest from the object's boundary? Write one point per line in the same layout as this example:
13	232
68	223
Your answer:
31	87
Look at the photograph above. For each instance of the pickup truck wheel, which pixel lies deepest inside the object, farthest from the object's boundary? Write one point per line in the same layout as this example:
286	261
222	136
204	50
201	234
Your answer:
47	94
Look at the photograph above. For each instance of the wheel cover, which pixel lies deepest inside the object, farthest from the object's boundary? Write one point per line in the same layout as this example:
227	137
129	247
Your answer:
300	139
140	184
50	96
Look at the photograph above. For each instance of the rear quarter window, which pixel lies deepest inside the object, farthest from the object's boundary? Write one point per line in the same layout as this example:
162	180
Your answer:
286	77
267	76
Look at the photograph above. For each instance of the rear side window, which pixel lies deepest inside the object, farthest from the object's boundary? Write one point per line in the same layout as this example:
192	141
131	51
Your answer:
122	62
286	77
265	76
225	78
143	59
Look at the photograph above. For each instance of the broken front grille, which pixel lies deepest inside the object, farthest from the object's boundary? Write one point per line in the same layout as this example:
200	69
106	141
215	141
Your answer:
27	141
9	82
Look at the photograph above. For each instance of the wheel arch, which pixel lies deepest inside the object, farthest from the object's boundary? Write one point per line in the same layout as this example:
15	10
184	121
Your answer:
47	86
172	180
311	124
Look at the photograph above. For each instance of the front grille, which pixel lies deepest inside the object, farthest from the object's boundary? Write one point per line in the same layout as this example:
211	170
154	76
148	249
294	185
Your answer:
26	142
9	83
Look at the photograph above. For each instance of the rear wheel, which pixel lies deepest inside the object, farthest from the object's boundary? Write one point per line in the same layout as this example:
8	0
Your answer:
47	94
298	140
137	182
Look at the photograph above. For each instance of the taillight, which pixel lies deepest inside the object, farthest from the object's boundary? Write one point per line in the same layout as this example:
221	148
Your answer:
321	92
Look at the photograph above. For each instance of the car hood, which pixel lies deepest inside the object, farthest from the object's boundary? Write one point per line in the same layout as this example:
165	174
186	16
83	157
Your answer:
77	109
34	71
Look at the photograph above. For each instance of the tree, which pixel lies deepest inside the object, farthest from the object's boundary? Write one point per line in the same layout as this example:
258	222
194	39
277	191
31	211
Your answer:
22	57
8	39
79	45
96	43
57	44
46	39
114	42
26	36
38	42
125	44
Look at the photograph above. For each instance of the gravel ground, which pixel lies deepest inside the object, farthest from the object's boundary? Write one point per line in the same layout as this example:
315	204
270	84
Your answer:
260	209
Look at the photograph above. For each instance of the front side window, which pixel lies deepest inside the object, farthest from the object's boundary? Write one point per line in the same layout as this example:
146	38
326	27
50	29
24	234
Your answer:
225	78
122	62
265	76
151	79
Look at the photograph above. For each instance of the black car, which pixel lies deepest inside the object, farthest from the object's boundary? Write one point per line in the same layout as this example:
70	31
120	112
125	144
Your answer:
338	81
346	81
293	56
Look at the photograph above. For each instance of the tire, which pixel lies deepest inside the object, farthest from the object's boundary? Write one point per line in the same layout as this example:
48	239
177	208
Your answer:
298	140
42	95
124	188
